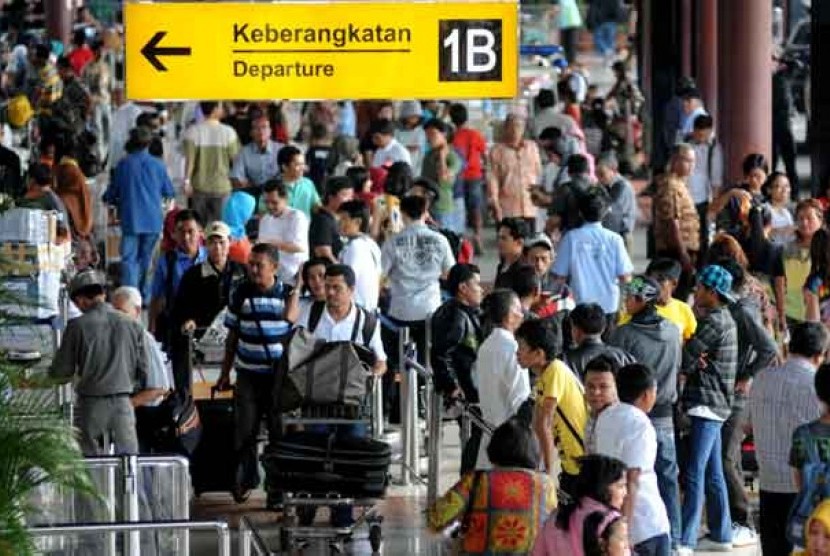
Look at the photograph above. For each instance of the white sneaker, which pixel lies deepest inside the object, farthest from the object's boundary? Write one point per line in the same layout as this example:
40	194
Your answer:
708	545
683	551
743	536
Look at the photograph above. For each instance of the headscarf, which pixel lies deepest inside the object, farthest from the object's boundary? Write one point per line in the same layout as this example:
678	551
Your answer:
71	187
822	515
238	210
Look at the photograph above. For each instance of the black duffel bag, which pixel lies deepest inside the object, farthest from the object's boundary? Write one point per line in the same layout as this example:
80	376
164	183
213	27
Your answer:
322	463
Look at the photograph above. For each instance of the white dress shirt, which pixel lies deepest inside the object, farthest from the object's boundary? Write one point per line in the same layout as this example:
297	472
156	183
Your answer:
292	227
363	255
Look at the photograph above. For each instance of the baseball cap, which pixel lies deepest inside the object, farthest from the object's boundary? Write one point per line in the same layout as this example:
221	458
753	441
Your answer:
218	228
717	279
539	240
85	279
643	287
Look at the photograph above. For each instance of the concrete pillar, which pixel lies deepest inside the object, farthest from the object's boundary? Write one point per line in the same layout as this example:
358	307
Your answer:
819	108
59	17
686	25
707	54
745	81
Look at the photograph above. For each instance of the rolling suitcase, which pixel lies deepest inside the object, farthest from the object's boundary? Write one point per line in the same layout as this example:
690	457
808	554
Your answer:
213	464
320	463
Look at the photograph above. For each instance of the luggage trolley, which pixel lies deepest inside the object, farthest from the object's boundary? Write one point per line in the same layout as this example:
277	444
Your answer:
307	467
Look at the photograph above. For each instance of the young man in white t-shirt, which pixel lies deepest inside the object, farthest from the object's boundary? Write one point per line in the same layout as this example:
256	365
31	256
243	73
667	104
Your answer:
388	149
361	252
624	431
286	229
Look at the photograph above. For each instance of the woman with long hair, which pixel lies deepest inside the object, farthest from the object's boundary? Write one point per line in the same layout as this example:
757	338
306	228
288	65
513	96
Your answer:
605	534
599	487
809	219
817	285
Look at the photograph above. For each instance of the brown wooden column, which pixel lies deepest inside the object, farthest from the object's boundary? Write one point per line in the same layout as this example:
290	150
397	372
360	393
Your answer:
745	81
59	17
707	54
686	42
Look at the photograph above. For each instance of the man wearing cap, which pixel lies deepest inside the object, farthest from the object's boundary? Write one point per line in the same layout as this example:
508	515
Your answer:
656	342
106	351
710	362
203	292
139	186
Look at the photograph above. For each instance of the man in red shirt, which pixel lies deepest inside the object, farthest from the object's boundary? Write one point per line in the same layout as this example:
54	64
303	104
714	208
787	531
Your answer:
471	145
81	53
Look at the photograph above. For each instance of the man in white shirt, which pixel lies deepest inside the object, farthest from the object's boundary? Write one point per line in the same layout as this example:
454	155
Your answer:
624	431
286	229
692	104
389	150
707	177
361	252
123	120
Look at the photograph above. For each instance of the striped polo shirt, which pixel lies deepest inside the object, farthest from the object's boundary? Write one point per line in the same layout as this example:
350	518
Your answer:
258	318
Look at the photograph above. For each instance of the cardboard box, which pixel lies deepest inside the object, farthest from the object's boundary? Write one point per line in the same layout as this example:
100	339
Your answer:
28	225
23	259
112	247
36	296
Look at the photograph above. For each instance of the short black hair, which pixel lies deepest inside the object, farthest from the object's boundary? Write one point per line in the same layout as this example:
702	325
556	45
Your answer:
355	209
42	51
325	262
268	250
89	292
496	306
593	204
577	164
537	335
287	154
822	384
187	215
277	185
344	270
459	274
753	161
524	281
336	184
458	114
413	207
602	364
633	380
596	474
146	119
704	121
516	226
436	124
383	127
358	175
79	37
513	444
319	131
63	63
589	318
41	174
664	269
207	107
808	339
545	98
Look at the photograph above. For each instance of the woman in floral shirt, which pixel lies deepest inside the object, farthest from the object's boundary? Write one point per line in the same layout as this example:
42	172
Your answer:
501	510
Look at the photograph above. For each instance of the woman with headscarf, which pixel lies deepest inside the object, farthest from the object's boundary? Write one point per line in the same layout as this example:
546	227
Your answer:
238	210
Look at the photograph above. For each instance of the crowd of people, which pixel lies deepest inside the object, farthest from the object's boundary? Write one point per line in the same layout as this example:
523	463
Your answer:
622	401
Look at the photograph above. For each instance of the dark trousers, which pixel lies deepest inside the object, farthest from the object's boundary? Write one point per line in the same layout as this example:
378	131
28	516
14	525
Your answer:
469	452
703	218
733	436
569	39
783	145
775	509
417	333
253	400
181	362
655	546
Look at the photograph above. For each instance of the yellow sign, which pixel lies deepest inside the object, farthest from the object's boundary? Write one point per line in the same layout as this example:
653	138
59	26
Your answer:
341	50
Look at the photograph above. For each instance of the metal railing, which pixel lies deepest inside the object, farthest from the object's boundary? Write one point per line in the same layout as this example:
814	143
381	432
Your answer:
250	539
221	528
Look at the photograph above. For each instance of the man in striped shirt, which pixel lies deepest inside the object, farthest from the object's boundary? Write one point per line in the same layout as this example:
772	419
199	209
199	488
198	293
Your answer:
260	315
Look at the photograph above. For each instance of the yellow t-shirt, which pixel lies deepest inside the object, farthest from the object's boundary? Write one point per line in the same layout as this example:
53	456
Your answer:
560	383
675	311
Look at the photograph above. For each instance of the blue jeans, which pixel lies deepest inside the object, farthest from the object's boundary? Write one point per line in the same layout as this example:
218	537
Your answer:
655	546
136	256
665	466
705	472
605	36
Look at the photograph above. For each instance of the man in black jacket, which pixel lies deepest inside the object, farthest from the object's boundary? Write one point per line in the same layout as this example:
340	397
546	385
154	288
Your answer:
456	335
757	350
587	325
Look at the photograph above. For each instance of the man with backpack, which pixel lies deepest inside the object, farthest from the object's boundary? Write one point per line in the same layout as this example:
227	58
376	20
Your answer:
781	399
707	176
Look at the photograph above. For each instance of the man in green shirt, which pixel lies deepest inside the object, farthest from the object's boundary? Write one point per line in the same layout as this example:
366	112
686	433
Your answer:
302	193
442	165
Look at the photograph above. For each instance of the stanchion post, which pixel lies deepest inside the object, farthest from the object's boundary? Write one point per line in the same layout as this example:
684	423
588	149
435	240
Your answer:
434	450
413	425
377	407
403	398
129	476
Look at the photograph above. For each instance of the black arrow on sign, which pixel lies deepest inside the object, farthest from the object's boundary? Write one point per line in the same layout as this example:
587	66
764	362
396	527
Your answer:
152	51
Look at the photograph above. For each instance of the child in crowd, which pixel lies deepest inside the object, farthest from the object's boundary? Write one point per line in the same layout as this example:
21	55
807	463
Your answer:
818	532
501	510
624	430
600	487
605	534
783	225
600	394
666	272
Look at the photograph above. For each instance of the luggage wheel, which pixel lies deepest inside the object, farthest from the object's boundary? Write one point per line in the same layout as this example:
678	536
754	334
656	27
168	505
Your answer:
375	537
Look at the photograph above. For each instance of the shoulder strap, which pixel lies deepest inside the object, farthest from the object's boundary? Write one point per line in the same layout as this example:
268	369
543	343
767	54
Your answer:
465	519
315	315
710	156
370	322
